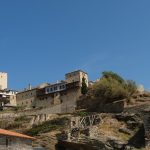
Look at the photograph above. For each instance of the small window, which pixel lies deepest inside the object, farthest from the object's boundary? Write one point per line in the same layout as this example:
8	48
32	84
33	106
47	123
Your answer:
47	90
55	88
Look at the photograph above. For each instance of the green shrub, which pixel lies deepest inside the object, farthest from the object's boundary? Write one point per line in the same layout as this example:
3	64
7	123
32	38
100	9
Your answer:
84	88
81	114
112	87
21	119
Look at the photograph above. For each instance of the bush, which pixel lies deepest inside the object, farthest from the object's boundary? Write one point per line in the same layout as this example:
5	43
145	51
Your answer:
131	87
81	114
21	119
109	90
84	88
112	87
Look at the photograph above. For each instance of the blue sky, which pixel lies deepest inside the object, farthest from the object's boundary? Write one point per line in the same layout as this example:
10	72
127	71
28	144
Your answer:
41	40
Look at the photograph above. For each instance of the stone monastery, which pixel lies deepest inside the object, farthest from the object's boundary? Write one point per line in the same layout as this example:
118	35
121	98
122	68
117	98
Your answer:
60	97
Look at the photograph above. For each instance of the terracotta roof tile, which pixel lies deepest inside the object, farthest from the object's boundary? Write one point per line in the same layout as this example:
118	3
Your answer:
10	133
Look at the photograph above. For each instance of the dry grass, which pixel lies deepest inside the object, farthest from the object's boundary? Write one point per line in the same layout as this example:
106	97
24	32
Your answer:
110	128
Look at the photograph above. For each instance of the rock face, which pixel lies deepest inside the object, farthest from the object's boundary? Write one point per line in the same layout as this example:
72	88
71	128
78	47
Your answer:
114	132
128	130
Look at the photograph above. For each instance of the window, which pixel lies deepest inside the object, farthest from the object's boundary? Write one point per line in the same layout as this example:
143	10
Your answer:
47	90
55	88
51	89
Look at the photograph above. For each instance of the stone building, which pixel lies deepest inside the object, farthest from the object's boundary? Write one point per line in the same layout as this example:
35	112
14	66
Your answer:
3	80
64	93
28	97
15	141
8	97
76	76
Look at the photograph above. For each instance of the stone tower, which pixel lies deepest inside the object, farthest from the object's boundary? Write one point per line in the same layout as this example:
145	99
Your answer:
3	80
76	76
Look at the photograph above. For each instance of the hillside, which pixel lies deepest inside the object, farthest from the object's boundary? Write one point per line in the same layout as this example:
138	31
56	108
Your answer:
113	131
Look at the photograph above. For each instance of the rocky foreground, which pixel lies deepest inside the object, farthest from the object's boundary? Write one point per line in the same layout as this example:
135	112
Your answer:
127	130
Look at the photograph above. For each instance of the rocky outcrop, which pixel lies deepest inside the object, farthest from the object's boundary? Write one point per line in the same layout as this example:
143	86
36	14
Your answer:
114	132
40	118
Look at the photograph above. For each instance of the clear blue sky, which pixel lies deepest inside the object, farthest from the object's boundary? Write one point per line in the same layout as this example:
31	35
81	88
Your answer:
41	40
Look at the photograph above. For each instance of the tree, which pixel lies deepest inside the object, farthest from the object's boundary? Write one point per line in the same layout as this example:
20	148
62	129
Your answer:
84	88
110	74
112	87
109	90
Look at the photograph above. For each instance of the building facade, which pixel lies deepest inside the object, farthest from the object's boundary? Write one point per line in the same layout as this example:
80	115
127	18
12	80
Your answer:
8	97
15	141
76	76
26	98
63	93
3	80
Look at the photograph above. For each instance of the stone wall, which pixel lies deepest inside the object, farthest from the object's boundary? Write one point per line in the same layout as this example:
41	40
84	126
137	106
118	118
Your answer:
26	98
97	105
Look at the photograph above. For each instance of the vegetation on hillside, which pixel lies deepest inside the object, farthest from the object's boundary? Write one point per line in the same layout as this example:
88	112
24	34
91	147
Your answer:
112	87
58	123
84	88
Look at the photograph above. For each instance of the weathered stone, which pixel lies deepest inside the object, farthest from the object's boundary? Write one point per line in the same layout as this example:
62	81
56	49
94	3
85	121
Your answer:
125	130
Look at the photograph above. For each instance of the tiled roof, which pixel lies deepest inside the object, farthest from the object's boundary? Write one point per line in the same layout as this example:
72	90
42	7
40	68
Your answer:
10	133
